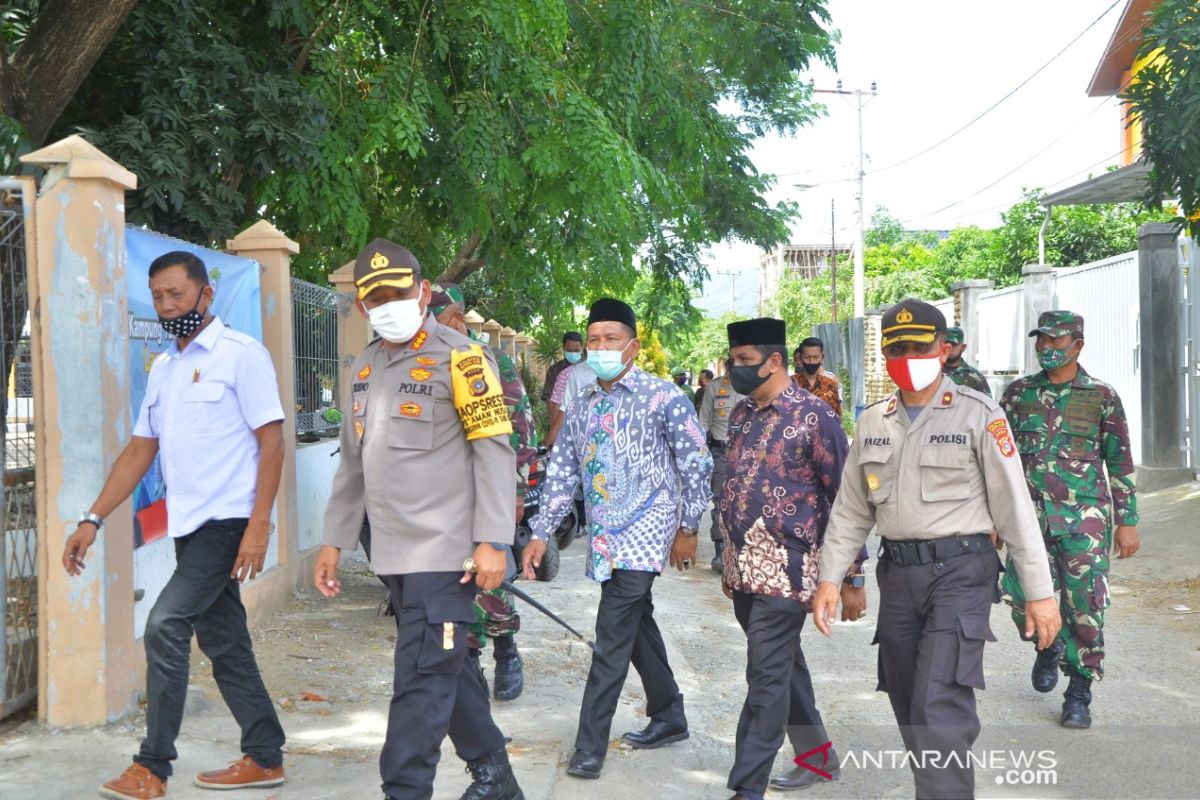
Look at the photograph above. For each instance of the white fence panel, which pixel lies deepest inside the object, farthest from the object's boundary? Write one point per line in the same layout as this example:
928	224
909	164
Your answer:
1106	294
1002	331
946	306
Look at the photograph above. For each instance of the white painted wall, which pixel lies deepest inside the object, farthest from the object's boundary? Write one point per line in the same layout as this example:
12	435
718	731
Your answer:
315	465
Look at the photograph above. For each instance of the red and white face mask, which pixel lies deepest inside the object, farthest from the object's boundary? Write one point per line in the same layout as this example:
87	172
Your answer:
915	373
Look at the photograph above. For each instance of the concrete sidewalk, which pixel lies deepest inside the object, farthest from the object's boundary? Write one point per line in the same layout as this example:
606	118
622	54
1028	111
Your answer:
1143	743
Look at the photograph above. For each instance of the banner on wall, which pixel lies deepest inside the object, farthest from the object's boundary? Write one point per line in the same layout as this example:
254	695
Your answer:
235	282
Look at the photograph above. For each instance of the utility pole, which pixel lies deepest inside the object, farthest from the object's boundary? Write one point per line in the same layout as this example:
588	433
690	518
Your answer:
833	256
733	276
862	97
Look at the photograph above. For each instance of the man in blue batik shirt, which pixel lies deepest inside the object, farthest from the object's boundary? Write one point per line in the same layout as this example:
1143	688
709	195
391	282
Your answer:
634	443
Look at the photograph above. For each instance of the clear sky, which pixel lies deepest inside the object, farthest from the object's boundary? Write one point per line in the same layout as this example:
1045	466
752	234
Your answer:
937	65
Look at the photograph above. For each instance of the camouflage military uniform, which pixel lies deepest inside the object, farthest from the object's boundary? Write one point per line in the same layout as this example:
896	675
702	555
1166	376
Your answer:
1068	434
966	375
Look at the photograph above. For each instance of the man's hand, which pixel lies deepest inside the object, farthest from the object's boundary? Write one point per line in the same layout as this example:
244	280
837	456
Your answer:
253	551
490	566
1127	541
520	509
854	602
683	551
325	571
727	590
824	606
996	541
531	557
1043	618
76	548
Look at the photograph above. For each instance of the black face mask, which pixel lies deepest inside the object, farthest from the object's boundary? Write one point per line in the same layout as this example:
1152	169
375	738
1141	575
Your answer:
811	369
746	380
185	324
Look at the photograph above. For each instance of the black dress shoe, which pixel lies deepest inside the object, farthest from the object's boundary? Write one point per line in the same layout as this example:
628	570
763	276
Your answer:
585	765
657	734
802	777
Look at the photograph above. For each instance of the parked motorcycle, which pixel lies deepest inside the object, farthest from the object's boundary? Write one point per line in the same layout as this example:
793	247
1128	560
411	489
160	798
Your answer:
568	530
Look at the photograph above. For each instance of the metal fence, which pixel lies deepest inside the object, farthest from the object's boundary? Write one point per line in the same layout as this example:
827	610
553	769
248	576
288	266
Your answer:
315	312
18	544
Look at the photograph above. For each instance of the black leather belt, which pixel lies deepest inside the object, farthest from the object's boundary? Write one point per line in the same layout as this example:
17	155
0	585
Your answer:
911	554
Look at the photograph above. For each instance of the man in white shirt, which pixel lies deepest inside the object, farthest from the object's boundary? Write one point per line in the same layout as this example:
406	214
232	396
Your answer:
213	416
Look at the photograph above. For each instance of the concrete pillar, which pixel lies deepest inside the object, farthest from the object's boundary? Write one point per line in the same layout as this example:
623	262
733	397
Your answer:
1037	295
354	331
474	321
508	342
90	668
1161	334
491	329
966	300
273	251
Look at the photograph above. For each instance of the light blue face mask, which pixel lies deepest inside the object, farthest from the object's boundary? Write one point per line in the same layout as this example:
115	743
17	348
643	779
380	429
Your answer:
572	358
607	364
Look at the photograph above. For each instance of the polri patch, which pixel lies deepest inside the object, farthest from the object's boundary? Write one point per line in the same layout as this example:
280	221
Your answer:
999	430
364	373
358	429
426	361
410	409
420	374
872	481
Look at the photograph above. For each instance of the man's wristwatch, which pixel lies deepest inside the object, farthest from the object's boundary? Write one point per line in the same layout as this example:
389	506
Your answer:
687	531
95	519
856	581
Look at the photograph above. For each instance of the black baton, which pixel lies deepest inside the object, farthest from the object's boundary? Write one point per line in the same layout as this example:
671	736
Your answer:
469	566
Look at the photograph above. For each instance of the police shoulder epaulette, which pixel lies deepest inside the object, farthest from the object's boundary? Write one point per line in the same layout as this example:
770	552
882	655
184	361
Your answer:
878	402
979	397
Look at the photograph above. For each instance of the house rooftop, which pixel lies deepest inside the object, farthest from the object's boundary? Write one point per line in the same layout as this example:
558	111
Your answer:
1122	48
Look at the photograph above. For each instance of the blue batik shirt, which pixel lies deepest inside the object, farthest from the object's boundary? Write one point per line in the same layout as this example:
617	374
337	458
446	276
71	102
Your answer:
639	453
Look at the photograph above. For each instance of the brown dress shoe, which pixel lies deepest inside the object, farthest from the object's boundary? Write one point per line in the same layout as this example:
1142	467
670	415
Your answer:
241	775
135	783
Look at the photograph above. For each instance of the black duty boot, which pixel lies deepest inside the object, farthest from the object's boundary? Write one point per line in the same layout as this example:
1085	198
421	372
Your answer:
493	779
510	677
801	777
718	562
1076	699
1045	667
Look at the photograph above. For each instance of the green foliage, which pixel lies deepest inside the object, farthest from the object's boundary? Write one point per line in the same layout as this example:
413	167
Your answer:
1166	98
537	149
651	356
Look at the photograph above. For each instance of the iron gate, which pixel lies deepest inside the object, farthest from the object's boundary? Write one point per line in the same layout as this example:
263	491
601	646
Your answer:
18	544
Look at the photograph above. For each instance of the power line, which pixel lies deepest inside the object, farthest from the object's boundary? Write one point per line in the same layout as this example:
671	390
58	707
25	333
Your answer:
1024	163
997	104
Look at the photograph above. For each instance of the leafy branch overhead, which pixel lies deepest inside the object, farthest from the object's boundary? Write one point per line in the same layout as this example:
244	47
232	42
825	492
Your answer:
539	150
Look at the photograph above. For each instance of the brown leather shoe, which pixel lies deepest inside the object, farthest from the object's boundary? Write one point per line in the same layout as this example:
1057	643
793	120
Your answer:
241	775
135	783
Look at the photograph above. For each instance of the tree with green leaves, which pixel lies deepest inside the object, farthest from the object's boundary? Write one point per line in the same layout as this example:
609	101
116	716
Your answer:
1165	98
537	151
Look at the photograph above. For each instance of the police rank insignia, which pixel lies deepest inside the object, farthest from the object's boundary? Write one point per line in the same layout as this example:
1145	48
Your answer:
947	398
999	430
358	429
425	361
357	407
872	481
364	373
419	340
410	409
420	374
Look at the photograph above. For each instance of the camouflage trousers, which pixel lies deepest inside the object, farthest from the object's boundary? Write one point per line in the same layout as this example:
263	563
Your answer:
1079	566
495	615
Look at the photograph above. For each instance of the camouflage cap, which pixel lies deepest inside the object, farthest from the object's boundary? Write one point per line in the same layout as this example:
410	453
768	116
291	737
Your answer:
443	295
954	335
1059	323
911	320
384	263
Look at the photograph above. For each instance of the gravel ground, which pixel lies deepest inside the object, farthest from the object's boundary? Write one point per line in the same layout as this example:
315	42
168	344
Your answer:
1143	742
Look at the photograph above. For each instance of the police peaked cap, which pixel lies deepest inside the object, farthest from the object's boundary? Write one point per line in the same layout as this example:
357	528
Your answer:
761	331
384	263
607	309
911	320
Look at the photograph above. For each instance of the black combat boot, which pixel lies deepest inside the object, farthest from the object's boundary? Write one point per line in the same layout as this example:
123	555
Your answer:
1045	667
492	779
718	562
1076	699
510	677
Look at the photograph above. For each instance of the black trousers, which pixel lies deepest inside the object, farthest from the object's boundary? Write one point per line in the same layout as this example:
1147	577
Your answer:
625	633
201	598
779	690
933	623
437	688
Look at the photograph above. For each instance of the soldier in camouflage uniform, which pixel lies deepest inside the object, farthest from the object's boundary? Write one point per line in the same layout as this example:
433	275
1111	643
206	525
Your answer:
1070	428
957	367
496	617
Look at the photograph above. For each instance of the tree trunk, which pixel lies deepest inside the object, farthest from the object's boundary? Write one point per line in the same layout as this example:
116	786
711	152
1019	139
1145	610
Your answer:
64	43
463	263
